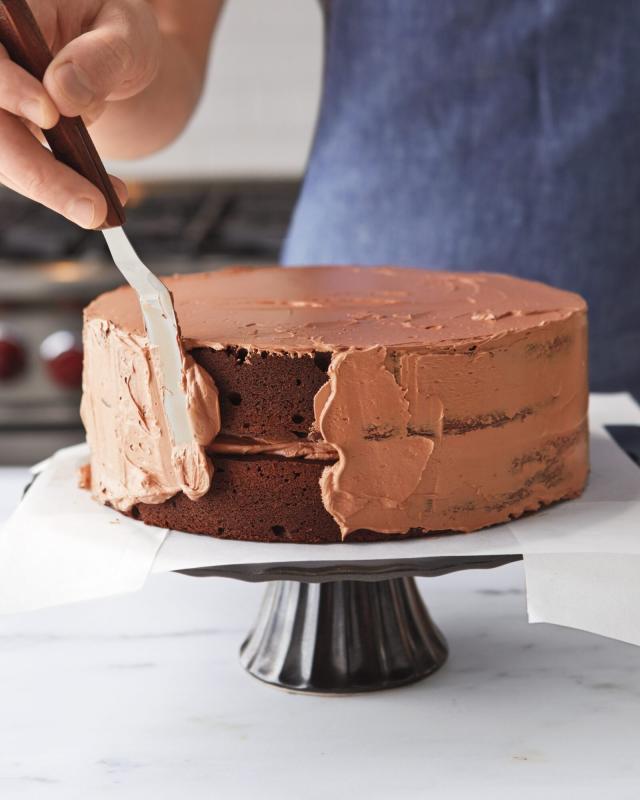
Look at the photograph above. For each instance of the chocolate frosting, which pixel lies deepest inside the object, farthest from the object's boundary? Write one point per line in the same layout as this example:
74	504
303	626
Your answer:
308	449
452	400
334	308
132	456
365	415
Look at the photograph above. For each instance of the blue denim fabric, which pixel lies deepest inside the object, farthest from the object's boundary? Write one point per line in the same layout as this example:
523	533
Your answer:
499	135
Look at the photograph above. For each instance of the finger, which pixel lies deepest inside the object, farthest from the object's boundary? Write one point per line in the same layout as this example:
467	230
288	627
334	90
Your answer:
21	94
119	185
94	113
116	59
33	171
121	189
34	130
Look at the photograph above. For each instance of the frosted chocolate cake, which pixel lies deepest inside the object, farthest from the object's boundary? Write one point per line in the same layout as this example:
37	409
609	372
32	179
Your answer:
342	403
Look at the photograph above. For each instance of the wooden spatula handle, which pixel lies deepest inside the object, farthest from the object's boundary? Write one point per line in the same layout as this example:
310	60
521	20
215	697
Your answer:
69	140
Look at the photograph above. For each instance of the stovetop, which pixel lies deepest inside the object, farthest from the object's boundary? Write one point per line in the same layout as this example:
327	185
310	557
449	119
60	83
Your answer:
176	227
189	220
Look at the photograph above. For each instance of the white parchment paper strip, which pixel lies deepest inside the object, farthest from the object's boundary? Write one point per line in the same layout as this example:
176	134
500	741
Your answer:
600	593
60	547
594	584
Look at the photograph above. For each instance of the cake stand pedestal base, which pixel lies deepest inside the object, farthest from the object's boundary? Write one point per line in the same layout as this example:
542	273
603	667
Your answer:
343	636
340	627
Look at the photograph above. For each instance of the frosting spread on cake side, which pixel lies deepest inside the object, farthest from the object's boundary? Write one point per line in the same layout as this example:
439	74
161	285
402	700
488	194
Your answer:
465	437
452	401
132	457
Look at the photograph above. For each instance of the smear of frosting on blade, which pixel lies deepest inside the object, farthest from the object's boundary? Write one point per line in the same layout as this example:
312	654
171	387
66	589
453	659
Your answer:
132	456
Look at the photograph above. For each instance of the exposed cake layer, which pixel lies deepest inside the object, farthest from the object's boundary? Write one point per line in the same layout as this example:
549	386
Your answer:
402	400
265	395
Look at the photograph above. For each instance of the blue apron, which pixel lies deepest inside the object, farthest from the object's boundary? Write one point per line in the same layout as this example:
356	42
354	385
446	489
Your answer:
498	135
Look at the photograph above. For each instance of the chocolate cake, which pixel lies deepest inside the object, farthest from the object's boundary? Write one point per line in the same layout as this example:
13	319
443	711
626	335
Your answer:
342	403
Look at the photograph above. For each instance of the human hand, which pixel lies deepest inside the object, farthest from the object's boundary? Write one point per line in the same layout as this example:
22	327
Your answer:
105	51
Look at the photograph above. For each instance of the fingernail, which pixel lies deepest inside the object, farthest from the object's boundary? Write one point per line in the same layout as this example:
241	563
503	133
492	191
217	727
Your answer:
35	112
74	84
82	212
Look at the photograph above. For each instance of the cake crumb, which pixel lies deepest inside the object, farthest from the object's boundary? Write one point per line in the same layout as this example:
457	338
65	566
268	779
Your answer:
84	476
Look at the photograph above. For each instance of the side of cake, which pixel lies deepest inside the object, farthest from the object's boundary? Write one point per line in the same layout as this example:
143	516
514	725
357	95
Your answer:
344	403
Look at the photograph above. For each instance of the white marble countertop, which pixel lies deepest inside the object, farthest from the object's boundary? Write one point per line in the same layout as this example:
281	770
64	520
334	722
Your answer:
142	696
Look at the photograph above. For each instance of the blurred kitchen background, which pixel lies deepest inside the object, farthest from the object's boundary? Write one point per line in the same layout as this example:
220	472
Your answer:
222	194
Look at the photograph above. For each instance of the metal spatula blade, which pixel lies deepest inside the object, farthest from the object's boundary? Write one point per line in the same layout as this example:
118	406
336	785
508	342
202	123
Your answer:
162	330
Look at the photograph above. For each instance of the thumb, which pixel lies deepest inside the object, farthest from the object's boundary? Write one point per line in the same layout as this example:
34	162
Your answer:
115	60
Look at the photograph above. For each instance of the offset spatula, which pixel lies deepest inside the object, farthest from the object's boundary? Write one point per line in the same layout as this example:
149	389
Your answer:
71	144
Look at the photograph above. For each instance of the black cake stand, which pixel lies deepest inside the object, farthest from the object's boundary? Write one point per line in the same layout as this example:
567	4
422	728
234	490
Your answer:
340	627
344	627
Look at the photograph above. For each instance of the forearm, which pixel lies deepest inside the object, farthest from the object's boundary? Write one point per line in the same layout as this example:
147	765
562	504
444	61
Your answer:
151	120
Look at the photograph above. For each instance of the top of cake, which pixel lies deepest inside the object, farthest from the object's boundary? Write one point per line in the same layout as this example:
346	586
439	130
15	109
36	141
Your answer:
300	310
